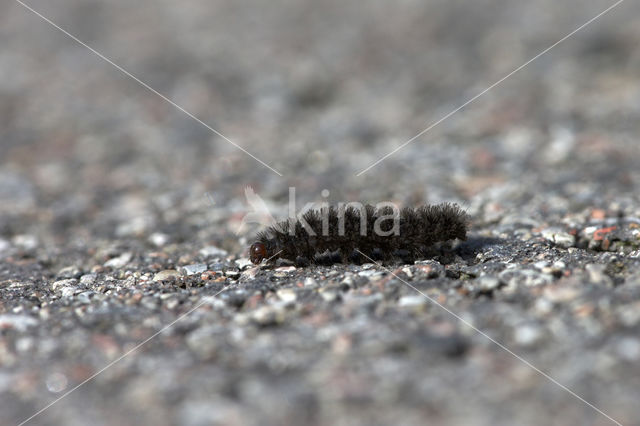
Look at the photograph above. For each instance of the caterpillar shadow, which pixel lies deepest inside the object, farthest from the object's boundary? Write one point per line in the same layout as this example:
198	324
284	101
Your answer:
469	249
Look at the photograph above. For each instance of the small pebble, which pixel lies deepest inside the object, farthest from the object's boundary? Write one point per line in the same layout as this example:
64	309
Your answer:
368	273
212	251
166	274
597	274
88	279
193	269
526	277
488	283
412	301
56	382
428	268
629	349
310	282
69	272
232	273
120	261
150	302
329	295
244	263
18	322
71	282
543	306
203	343
527	335
249	274
559	237
159	239
26	241
287	295
268	315
85	297
68	291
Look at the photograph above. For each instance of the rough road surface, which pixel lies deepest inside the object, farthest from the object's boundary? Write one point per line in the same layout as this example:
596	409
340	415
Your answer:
119	213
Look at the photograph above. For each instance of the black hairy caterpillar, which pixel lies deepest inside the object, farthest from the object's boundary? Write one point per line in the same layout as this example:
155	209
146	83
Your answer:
334	234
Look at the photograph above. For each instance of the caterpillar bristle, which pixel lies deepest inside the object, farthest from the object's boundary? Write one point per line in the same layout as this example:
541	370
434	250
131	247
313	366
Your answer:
384	234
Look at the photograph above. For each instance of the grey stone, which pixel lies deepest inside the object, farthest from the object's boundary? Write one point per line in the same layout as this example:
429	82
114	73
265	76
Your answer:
597	274
85	297
488	283
69	272
68	291
287	295
232	273
120	261
527	335
268	315
88	279
159	239
212	251
18	322
412	301
559	237
526	277
166	274
58	285
196	268
202	342
310	282
329	294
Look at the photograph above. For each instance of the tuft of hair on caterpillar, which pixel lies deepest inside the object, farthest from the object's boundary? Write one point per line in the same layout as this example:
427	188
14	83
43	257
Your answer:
350	234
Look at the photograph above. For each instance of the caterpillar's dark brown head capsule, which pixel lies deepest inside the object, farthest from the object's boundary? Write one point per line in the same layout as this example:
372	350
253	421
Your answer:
257	252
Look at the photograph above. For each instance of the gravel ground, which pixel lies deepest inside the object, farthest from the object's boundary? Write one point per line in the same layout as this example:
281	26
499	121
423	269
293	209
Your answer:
119	213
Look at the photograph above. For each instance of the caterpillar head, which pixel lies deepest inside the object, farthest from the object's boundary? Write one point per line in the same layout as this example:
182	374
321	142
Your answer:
257	252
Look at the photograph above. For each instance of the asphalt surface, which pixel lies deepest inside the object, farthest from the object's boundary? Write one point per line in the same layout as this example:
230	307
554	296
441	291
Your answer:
123	230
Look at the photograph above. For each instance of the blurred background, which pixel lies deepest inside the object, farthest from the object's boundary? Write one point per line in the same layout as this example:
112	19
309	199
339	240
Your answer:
317	90
103	182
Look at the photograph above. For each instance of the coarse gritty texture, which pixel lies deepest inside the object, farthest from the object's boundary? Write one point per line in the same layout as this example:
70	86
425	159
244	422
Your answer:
363	233
119	214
